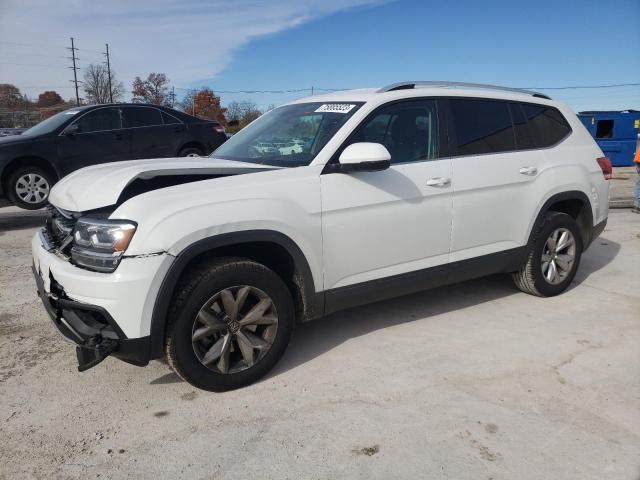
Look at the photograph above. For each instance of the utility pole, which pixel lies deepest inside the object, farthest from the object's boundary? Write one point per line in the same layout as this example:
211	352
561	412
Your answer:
173	96
311	90
109	73
73	58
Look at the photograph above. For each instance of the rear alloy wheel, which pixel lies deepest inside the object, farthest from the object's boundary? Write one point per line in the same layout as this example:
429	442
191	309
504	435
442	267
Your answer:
29	187
558	256
230	322
553	257
190	152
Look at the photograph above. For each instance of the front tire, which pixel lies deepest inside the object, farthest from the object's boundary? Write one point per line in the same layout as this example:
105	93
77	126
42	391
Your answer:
229	324
28	187
553	256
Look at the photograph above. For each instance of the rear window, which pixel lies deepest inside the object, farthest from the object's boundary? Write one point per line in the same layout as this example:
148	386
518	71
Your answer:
545	125
482	126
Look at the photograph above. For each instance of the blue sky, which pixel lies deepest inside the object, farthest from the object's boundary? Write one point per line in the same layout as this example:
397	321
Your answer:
293	44
538	43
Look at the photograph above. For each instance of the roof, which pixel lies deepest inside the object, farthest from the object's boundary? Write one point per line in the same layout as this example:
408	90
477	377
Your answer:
421	89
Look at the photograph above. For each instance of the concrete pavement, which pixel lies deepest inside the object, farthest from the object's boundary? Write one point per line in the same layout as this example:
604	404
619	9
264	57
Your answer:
471	381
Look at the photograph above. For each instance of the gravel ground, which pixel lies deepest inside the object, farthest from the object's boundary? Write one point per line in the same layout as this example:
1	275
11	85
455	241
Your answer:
473	381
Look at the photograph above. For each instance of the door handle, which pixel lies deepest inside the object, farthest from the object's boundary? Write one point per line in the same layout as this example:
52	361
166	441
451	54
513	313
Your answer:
439	182
531	171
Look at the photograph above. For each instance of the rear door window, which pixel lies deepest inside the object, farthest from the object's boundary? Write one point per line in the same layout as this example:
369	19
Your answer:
546	125
100	120
522	130
482	126
141	117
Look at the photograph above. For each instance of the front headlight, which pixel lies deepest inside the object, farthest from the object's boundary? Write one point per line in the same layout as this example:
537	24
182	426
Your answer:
99	244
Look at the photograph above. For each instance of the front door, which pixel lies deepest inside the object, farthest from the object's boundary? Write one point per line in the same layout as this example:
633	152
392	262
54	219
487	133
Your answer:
99	138
381	224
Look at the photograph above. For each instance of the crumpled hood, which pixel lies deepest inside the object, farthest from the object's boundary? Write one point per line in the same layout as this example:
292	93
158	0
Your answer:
101	185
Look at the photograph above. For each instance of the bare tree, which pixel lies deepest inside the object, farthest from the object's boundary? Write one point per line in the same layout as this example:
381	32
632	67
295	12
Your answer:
243	112
96	85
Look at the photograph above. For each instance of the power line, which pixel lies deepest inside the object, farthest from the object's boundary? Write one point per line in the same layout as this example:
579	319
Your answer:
31	64
293	90
20	55
39	45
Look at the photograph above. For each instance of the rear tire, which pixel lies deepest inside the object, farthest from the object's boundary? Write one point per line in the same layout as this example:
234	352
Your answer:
190	152
29	187
553	256
216	348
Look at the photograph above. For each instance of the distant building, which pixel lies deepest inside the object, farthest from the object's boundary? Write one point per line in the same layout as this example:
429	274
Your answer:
615	132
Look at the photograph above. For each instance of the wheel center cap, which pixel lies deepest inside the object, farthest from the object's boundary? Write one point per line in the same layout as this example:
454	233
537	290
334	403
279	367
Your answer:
234	326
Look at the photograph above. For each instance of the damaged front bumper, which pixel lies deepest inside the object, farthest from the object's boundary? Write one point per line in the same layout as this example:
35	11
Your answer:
103	314
90	328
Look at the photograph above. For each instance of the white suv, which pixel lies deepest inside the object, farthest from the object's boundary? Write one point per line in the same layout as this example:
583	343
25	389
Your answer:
210	262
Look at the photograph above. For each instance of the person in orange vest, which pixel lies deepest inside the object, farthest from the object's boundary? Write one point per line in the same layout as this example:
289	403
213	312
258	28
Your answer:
636	196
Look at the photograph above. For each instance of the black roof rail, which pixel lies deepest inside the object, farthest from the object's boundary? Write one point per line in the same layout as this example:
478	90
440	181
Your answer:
432	83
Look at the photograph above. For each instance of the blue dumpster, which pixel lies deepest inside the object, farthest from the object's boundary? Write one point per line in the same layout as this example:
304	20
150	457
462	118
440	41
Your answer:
615	132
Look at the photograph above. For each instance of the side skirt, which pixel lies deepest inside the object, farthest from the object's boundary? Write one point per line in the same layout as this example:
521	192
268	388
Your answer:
384	288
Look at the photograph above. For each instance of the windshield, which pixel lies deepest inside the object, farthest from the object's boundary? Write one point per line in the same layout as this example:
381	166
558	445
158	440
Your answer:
289	136
51	123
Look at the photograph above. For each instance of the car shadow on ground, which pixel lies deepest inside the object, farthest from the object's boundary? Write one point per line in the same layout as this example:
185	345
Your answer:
318	337
313	339
22	219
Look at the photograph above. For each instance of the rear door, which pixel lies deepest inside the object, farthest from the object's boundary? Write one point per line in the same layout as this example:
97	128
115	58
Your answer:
497	156
150	138
380	224
100	138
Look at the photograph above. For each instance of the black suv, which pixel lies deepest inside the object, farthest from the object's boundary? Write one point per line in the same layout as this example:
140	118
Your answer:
32	162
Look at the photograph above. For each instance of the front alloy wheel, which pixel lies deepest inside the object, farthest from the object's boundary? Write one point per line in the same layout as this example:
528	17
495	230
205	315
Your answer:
235	329
229	323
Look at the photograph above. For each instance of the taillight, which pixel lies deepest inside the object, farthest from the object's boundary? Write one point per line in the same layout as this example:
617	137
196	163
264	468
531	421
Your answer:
218	128
605	165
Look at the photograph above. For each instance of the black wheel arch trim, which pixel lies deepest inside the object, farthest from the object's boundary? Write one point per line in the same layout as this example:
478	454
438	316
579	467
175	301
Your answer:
587	230
313	302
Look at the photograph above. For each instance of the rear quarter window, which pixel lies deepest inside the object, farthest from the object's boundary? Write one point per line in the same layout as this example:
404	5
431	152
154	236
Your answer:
546	126
169	119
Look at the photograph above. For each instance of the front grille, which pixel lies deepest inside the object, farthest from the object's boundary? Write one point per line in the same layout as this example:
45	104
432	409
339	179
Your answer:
58	227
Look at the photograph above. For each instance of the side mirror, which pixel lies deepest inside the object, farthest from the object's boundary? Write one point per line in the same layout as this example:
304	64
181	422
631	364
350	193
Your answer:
364	157
72	129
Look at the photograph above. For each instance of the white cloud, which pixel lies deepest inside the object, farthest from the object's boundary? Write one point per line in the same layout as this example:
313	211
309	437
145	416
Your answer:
191	41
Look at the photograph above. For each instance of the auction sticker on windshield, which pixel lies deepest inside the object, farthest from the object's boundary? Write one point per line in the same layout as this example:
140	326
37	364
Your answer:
335	108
